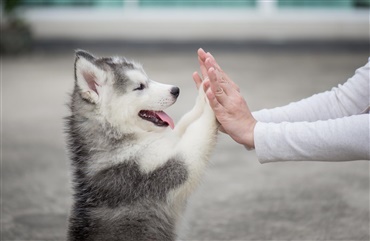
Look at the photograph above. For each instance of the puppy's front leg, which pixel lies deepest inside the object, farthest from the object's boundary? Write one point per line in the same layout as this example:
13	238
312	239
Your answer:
192	115
197	143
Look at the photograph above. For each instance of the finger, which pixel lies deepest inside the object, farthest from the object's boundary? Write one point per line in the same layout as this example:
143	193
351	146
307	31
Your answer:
217	108
224	83
213	102
224	92
197	79
206	85
202	54
203	68
216	87
211	62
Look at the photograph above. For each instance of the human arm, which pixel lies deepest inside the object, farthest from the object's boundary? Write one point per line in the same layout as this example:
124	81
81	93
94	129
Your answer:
341	139
297	138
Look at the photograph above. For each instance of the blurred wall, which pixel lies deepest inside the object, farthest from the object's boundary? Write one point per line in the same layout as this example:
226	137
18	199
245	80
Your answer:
180	20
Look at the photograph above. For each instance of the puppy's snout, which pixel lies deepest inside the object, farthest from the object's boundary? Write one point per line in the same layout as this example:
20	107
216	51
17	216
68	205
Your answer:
175	91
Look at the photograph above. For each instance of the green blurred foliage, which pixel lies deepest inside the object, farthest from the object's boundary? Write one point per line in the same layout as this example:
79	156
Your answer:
10	5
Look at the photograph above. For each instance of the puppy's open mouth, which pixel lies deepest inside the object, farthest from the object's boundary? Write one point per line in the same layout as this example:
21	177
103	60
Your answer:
158	118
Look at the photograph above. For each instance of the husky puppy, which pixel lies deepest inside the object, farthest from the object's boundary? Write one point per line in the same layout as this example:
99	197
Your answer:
132	169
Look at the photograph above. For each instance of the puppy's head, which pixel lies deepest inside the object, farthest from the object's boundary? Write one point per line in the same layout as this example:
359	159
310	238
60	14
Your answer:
119	92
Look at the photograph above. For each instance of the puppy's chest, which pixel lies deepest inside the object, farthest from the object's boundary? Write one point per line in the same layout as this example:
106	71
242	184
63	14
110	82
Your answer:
126	183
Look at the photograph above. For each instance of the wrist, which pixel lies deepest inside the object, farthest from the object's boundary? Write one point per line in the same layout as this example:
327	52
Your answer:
248	140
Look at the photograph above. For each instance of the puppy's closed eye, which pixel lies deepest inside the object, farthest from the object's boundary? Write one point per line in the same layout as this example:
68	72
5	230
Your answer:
141	87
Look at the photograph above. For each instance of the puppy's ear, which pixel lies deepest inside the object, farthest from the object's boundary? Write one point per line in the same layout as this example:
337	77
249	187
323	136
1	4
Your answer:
89	77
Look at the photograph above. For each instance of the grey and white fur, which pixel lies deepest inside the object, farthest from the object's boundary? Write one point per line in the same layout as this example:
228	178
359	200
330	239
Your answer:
132	173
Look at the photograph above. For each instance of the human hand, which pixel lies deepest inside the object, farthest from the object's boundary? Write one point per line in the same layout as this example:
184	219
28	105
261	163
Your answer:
198	78
202	57
226	101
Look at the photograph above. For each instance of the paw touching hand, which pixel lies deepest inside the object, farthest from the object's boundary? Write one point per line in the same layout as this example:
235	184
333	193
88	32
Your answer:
225	99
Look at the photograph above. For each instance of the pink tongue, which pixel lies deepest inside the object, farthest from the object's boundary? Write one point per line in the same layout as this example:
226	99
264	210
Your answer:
165	118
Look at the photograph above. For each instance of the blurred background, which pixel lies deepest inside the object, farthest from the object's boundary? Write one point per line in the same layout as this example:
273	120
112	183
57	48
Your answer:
278	51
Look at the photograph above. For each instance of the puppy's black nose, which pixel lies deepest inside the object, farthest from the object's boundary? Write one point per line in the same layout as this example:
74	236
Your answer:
175	91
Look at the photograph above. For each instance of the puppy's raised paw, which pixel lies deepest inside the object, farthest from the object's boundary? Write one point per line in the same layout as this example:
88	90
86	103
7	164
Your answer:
201	94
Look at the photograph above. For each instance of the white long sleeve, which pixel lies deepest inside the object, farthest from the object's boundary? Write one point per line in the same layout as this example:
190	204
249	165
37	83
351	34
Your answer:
331	126
342	139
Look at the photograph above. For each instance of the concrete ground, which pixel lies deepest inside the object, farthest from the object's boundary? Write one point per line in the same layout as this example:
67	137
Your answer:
239	199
